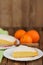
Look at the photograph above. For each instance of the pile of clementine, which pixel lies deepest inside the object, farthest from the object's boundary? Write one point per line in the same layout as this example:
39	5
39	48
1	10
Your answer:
27	37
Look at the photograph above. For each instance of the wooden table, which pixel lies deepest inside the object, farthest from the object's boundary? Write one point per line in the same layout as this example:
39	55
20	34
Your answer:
6	61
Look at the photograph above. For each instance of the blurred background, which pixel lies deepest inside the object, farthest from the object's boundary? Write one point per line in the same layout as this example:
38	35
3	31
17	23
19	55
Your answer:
22	14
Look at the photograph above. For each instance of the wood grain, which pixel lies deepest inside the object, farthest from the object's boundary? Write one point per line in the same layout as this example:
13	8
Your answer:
41	40
16	13
5	12
36	62
33	7
18	63
9	62
36	15
4	61
21	13
39	14
25	13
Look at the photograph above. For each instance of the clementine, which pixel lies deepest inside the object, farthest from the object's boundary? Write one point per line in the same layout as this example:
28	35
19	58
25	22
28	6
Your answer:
26	39
19	33
34	35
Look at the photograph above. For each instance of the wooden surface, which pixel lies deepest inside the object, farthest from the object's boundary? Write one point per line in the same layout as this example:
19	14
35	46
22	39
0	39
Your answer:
21	13
6	61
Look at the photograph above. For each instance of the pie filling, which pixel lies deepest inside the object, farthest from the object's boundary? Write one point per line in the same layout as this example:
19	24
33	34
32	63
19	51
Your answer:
22	54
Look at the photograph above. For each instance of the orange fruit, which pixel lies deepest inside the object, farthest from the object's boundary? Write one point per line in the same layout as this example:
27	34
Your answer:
19	33
25	39
34	35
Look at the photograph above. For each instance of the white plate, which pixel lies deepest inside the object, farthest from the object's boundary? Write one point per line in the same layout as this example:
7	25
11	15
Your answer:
5	47
8	53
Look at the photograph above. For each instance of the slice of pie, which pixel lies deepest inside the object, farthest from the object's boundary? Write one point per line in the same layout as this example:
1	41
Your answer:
28	52
7	40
